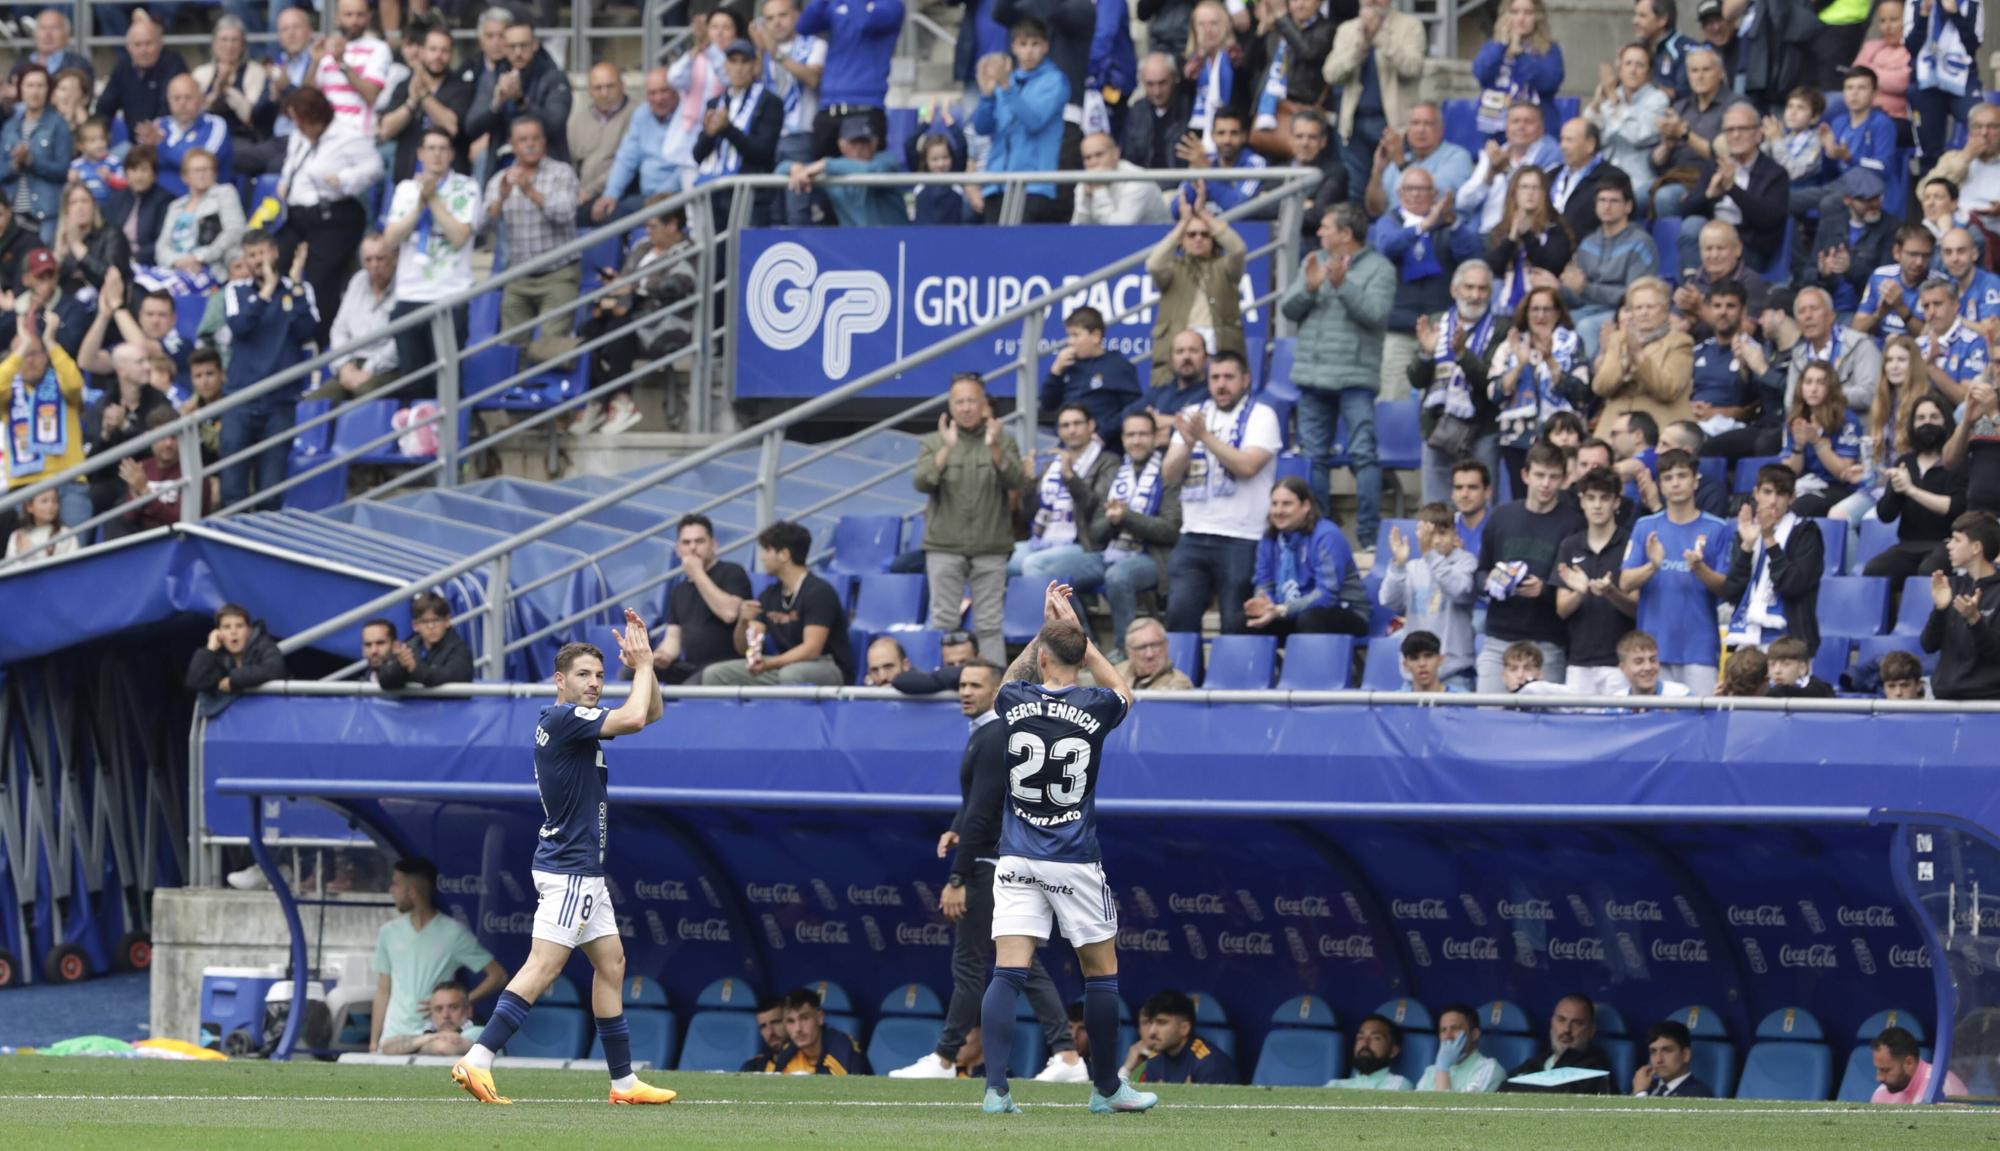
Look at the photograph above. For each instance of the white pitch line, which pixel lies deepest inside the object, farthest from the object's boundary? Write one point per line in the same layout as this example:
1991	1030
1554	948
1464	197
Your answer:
1619	1112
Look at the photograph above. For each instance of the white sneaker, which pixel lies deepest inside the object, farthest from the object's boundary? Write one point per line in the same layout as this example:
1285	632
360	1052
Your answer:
929	1067
620	415
1062	1070
587	420
250	878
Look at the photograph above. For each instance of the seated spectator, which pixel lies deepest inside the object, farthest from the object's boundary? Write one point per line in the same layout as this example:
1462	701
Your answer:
796	632
1224	456
957	650
1341	303
1305	578
855	206
1644	364
1521	62
1418	240
435	654
885	661
448	1030
159	477
433	95
1377	62
377	637
432	220
640	169
1521	671
188	128
811	1047
1937	198
1538	371
1902	1075
1186	382
1572	1028
1104	384
230	82
1676	564
1421	145
1066	498
239	656
1594	608
1432	588
1853	239
1796	144
770	1034
1169	1051
1378	1043
1225	147
1459	1066
1583	169
365	309
739	132
86	248
1124	202
1822	443
1691	131
1747	674
1902	676
1422	658
136	88
667	261
1740	186
1732	371
1518	550
41	521
140	210
1813	333
1639	667
969	468
1196	269
1482	199
1923	498
1148	665
1978	289
1859	135
203	225
1458	416
1666	1074
702	605
418	950
1628	112
534	201
1721	262
1961	627
1889	305
1775	572
1791	671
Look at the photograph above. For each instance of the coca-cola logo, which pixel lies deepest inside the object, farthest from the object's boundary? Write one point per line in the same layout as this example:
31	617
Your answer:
1151	940
1419	909
1875	916
703	930
665	891
1762	915
1910	956
1304	907
832	931
1528	909
1247	943
1203	904
1818	955
1480	948
880	895
1986	918
923	935
1589	949
773	893
462	884
1685	951
1354	947
515	923
1637	911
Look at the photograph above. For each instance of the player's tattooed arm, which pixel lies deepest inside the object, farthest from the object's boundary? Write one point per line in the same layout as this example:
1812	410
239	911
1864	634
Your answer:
1025	665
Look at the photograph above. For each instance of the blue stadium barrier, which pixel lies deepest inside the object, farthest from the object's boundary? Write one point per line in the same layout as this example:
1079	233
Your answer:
1789	1060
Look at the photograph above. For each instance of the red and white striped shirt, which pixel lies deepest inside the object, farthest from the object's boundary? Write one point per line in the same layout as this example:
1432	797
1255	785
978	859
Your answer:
370	59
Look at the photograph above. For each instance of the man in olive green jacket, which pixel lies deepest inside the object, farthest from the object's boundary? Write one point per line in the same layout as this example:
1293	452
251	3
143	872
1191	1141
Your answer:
968	467
1198	269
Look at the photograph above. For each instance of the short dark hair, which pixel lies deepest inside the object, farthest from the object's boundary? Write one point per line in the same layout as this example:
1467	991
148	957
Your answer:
419	867
527	119
1733	289
982	665
1981	528
1900	665
429	603
1027	26
1644	424
1087	318
1064	642
1230	356
142	156
769	1003
1546	454
161	417
695	520
1677	458
1470	1012
802	998
204	356
381	623
308	105
1593	442
677	214
1421	643
1523	650
1315	117
1395	1032
1589	1004
1814	98
1667	10
1168	1002
1779	477
1909	232
1077	408
447	137
1866	73
158	296
1603	481
1228	114
571	652
255	236
1485	473
1898	1042
1672	1032
232	609
451	985
1789	647
785	536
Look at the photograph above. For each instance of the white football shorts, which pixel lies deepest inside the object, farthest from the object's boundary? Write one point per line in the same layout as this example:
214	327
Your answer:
574	909
1030	895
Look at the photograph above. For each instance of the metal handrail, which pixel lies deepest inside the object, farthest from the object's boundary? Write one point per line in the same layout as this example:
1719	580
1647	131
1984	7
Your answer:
1290	182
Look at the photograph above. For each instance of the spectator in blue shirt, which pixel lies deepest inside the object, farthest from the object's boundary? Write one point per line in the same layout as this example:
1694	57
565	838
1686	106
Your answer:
1169	1051
1186	384
1114	64
1676	562
187	127
1022	110
640	170
1521	62
273	322
860	37
1656	24
1231	133
1860	135
1102	383
1422	146
1305	575
855	206
1822	442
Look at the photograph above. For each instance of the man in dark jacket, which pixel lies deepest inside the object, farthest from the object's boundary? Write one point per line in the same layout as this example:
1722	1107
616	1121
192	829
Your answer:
142	194
1665	1074
1742	182
1855	237
739	131
434	654
1571	1030
272	324
1773	584
1962	628
137	87
1156	122
532	83
239	655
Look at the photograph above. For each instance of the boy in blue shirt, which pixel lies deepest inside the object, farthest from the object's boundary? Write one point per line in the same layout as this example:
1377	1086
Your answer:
94	166
1022	111
1676	562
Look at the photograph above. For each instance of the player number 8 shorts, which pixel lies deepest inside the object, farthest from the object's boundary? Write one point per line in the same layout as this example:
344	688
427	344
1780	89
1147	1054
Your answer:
1031	894
574	909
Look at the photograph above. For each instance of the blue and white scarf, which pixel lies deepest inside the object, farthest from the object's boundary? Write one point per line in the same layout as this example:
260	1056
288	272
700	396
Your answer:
1494	101
1055	520
1266	119
1760	615
1211	95
37	424
1206	477
1448	388
725	160
1139	490
1536	394
1943	62
1516	284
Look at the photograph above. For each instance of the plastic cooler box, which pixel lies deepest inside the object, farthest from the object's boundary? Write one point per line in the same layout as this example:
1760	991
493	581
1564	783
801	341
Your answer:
233	997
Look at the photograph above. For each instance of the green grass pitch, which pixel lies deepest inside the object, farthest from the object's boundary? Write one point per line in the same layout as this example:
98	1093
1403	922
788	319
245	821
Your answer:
137	1106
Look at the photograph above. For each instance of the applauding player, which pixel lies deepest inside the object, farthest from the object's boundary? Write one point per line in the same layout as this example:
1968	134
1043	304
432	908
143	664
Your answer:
575	908
1050	870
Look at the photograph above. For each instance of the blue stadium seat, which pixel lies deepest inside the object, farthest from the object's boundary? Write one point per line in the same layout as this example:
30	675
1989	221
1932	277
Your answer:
1713	468
1834	534
558	1028
838	1007
900	1040
1857	1084
1382	669
1278	381
913	999
1746	472
1510	1050
903	124
1398	444
1566	108
923	648
1419	1036
1667	238
1212	1022
1184	649
1876	538
1614	1039
1254	348
1318	663
1778	273
1830	661
188	311
1461	124
1241	662
364	422
864	545
1294	464
1504	1033
1915	609
888	600
1382	539
1853	605
1714	1059
719	1041
1303	1047
1790	1059
1021	617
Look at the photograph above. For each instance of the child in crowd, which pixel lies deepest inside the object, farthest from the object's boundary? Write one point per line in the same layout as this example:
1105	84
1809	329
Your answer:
1791	671
1795	145
1639	663
944	203
94	166
1433	589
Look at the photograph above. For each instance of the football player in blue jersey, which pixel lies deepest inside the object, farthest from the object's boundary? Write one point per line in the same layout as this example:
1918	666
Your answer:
575	908
1050	870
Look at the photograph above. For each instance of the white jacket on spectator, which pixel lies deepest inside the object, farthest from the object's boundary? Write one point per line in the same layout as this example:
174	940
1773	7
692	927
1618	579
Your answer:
1129	202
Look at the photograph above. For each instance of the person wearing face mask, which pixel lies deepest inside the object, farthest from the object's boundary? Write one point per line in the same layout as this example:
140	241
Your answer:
1922	497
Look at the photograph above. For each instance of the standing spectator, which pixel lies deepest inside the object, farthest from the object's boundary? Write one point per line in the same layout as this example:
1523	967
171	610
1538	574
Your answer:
433	218
1133	524
1628	110
1595	610
1422	145
1521	62
532	202
240	655
1224	456
202	227
667	260
1087	376
941	148
330	167
1483	197
702	605
1341	303
860	37
35	149
54	52
230	82
968	468
1656	24
1458	416
1532	243
1902	1075
1608	262
158	477
1210	71
1539	371
136	89
1644	364
1923	497
1775	572
1740	186
796	632
739	131
1582	175
641	169
1116	203
1517	557
1295	46
1795	145
1021	109
1377	62
1822	442
434	655
187	127
860	152
1071	30
1154	125
596	127
272	321
434	96
352	67
1472	485
1961	627
1197	269
41	375
366	307
1676	563
1432	589
1943	41
1060	508
419	950
1305	578
483	71
794	66
1417	239
1313	146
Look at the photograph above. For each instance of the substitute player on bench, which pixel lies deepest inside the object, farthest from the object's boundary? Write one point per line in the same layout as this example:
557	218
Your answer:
575	908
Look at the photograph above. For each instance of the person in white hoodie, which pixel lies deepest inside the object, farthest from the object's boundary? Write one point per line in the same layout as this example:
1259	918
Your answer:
1120	202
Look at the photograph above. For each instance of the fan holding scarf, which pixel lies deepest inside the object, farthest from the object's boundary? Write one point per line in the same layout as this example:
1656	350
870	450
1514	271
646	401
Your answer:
44	419
1775	572
1067	491
739	131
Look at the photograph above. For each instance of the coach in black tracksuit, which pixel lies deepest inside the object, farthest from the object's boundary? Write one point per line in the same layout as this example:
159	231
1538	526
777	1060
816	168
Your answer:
982	788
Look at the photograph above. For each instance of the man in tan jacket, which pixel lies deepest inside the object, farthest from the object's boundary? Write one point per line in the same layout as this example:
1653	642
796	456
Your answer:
1197	270
1378	62
595	129
969	467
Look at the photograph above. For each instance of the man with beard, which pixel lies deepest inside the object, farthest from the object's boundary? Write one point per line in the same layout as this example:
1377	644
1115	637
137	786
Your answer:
532	84
1854	238
1729	365
1377	1044
1901	1071
433	96
1313	147
1186	382
1449	373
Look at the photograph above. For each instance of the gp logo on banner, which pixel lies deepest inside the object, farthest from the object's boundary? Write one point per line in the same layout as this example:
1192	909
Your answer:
822	307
